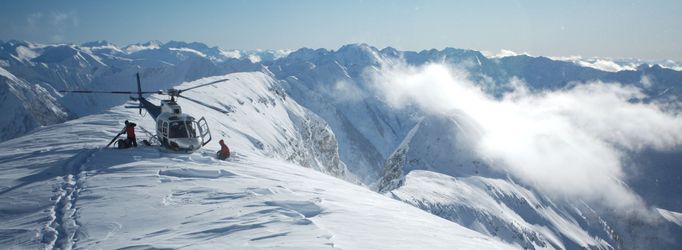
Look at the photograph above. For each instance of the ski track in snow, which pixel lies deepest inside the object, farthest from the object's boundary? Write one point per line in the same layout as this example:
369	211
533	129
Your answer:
61	231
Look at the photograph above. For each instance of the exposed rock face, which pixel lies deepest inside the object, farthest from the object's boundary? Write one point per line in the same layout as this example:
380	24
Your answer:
318	147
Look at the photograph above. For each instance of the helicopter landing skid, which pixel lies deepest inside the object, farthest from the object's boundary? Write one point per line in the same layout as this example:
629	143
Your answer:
152	140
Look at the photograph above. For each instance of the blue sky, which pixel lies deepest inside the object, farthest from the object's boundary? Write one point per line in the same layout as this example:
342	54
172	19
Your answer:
607	28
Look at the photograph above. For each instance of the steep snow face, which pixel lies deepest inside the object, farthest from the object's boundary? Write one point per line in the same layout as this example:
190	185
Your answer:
438	144
331	84
62	190
25	106
499	208
262	116
513	213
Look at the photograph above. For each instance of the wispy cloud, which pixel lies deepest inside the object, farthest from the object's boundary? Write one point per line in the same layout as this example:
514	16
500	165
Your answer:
33	19
604	64
570	143
504	53
54	25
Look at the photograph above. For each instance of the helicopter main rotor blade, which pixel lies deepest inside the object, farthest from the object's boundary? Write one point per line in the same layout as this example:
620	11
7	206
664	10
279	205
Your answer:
202	85
204	104
108	92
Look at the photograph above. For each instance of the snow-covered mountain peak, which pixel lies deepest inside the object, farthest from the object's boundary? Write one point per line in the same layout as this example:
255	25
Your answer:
390	51
352	55
356	49
180	44
21	51
307	54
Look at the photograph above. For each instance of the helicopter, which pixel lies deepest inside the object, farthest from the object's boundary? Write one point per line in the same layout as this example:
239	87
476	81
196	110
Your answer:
175	130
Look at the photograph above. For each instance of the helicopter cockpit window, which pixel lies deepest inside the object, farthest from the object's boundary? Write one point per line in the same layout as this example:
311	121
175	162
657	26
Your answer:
191	129
182	129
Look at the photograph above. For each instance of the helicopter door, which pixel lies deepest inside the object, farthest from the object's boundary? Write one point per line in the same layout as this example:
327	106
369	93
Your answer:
164	132
164	129
204	132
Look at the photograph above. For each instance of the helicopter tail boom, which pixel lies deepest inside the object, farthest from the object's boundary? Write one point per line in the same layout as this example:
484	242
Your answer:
139	90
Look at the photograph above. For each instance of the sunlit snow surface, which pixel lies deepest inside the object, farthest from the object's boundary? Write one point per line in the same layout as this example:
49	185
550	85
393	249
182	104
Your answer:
60	189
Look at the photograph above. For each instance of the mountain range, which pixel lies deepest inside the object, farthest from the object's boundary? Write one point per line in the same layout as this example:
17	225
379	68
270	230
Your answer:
319	109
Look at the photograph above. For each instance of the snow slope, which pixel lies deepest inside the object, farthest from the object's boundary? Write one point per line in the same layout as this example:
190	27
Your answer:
26	106
381	147
61	189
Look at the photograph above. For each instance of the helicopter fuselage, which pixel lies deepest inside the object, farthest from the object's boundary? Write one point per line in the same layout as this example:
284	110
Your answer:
174	130
178	131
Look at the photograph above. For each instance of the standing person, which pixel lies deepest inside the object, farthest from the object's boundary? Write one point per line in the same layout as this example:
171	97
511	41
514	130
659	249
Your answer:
224	151
129	130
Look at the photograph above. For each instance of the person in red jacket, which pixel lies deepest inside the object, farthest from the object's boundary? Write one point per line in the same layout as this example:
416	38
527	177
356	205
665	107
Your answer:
224	151
129	130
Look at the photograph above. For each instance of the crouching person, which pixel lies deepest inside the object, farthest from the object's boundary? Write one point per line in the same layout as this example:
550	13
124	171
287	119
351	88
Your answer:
224	152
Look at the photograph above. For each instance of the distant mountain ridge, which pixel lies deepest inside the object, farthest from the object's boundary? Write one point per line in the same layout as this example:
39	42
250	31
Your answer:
401	153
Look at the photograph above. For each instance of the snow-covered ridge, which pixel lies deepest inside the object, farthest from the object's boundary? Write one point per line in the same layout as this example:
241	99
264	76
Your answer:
600	63
268	121
502	209
375	141
64	191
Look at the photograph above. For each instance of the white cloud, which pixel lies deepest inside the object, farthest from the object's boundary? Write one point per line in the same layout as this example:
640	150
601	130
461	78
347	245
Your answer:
62	19
52	25
570	143
188	50
505	53
603	64
254	58
57	38
231	53
645	81
606	65
33	19
346	91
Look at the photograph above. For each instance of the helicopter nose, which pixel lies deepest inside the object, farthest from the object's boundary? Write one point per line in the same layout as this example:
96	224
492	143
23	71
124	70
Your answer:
190	144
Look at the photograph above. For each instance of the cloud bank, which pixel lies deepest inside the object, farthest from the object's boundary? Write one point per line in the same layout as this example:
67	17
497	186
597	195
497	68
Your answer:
571	143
